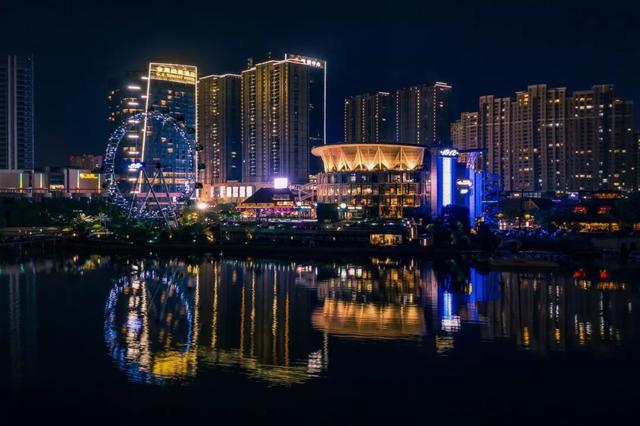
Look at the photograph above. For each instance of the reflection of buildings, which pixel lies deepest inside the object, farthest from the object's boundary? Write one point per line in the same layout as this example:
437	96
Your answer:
275	320
258	320
545	312
364	302
163	317
21	308
540	312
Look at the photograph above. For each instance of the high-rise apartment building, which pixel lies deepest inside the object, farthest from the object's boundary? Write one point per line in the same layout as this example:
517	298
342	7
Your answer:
16	112
219	127
494	134
283	116
538	140
547	141
464	131
602	151
370	118
126	97
464	135
422	114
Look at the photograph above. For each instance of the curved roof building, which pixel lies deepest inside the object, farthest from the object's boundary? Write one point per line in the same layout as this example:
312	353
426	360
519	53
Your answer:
372	179
370	157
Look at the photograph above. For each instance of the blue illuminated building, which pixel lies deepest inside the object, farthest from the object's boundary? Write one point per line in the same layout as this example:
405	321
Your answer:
443	178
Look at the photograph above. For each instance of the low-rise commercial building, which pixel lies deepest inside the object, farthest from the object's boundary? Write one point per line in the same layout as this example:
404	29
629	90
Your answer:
373	180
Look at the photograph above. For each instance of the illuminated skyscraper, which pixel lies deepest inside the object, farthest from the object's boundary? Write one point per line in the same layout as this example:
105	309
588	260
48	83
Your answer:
602	150
219	127
16	112
126	97
283	116
370	118
171	89
464	134
525	139
422	114
464	131
164	88
538	140
494	134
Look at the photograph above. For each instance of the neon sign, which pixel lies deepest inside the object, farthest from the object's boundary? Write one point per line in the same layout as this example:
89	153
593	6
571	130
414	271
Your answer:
449	152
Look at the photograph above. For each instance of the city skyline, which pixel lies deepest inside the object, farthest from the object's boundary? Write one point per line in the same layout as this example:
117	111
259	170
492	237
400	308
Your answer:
417	44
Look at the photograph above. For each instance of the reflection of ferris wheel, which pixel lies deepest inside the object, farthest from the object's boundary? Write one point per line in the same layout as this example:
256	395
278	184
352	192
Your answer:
149	323
150	166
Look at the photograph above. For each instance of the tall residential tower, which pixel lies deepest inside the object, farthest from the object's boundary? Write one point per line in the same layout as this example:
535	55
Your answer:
283	116
219	128
422	114
548	141
16	112
370	118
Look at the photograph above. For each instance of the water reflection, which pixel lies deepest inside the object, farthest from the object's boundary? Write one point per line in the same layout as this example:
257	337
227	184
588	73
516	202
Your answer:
167	320
259	320
384	302
151	321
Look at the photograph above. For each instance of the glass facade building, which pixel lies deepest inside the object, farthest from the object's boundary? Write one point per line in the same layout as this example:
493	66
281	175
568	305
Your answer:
168	89
373	180
16	112
171	90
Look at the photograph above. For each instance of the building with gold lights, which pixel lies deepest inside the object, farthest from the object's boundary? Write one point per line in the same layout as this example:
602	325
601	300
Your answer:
283	116
374	180
219	129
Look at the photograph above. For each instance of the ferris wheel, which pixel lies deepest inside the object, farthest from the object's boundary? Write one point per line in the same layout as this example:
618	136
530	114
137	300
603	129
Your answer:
150	166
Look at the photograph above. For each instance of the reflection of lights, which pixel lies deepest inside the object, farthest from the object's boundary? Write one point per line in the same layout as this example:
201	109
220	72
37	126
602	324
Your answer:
134	326
450	322
315	364
368	320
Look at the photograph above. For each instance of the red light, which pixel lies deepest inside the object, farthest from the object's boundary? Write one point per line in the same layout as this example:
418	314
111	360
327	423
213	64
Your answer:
580	209
604	274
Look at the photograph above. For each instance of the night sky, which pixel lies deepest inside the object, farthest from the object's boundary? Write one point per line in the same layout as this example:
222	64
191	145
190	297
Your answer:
481	47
